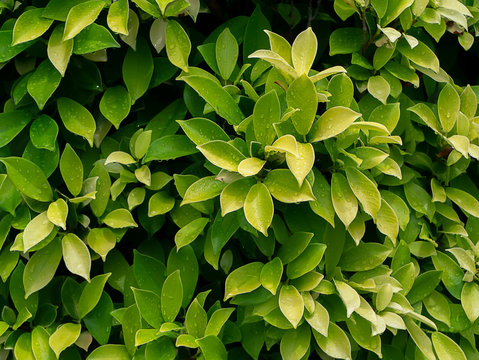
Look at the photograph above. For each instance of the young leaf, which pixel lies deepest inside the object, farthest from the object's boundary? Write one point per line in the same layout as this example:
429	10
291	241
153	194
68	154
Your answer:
284	187
63	337
80	16
43	83
332	122
160	203
336	344
448	105
226	53
71	169
76	256
304	51
446	348
464	200
365	190
77	118
178	45
40	344
469	295
120	218
30	25
271	273
102	241
301	165
201	130
349	296
259	208
117	18
295	343
233	196
344	202
222	154
379	88
188	233
243	280
302	95
203	189
318	319
37	230
212	348
291	304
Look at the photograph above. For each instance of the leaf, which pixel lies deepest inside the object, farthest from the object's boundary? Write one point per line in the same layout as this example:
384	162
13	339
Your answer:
28	178
30	25
379	88
387	221
40	344
336	344
344	200
291	304
71	169
23	347
77	118
76	256
420	338
464	200
201	130
178	45
427	115
149	305
217	97
160	203
469	296
7	51
117	352
284	187
451	273
301	94
345	41
217	321
41	267
203	189
419	199
169	147
243	280
448	105
222	154
446	348
36	230
80	16
349	296
271	273
196	320
63	337
318	319
212	348
365	256
301	165
280	46
117	18
285	144
233	196
91	294
438	306
93	38
267	111
323	205
137	70
277	61
11	124
332	122
424	284
171	296
120	218
250	166
259	208
43	83
43	132
188	233
102	241
226	53
307	261
295	343
304	51
420	54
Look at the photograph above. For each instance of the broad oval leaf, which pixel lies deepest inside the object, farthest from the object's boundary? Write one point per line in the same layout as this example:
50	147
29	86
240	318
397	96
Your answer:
243	279
59	50
365	256
259	208
469	296
336	344
188	233
301	165
365	190
57	213
222	154
71	169
304	51
233	196
295	343
115	105
63	337
332	122
117	18
102	241
30	25
301	94
267	111
203	189
43	83
201	130
291	304
171	296
80	16
448	105
284	187
77	118
120	218
178	45
344	202
91	294
446	348
271	273
226	53
12	123
37	230
76	256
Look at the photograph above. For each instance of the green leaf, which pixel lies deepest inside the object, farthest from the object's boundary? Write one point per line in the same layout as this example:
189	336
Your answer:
41	267
28	178
30	25
185	261
76	256
77	118
117	18
226	53
244	279
91	294
11	124
464	200
332	122
448	105
280	46
40	344
71	169
284	187
105	352
318	319
188	233
336	344
63	337
80	16
103	184
438	306
160	203
469	296
250	166
419	199
217	97
424	284
36	230
344	201
345	41
304	51
149	272
232	197
420	54
420	338
102	241
295	343
307	261
137	70
7	51
267	111
379	88
446	348
43	132
120	218
291	304
365	256
212	348
163	348
349	296
217	321
203	189
301	165
427	115
323	205
169	147
59	50
43	83
149	305
196	320
259	208
222	154
23	347
271	274
362	332
178	45
201	130
171	296
93	38
301	94
387	221
451	273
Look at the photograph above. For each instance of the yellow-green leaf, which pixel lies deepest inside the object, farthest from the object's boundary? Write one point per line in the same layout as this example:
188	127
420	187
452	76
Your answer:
464	200
76	256
117	18
301	165
243	280
80	16
57	213
37	230
332	122
304	51
446	348
71	169
344	202
120	218
222	154
77	118
30	25
226	53
259	208
63	337
301	94
250	166
178	45
448	105
284	187
291	304
365	190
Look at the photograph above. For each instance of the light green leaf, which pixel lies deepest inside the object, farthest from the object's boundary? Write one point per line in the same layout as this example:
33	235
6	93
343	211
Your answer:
222	154
284	187
91	294
379	88
203	189
30	25
304	51
259	208
301	94
59	50
196	320
36	230
365	256
349	296
149	305
233	196
178	45
438	306
332	122
188	233
344	202
212	348
23	347
420	54
285	144
420	338
160	203
94	38
41	267
28	178
277	61
267	111
427	115
77	118
40	344
291	304
171	296
217	97
201	130
169	147
301	165
448	105
43	83
387	221
419	199
250	166
80	16
120	218
345	41
57	213
71	169
446	348
226	53
243	280
76	256
469	296
117	18
63	337
271	273
307	261
365	190
280	46
464	200
336	344
217	320
295	343
110	351
115	104
318	319
101	240
137	71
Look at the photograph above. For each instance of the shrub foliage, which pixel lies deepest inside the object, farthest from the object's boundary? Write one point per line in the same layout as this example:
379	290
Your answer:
178	180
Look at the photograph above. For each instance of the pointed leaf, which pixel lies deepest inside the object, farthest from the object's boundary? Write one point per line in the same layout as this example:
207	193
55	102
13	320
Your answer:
259	208
302	95
332	122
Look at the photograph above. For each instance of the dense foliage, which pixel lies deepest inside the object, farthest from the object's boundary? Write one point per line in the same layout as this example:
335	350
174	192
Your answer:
234	179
